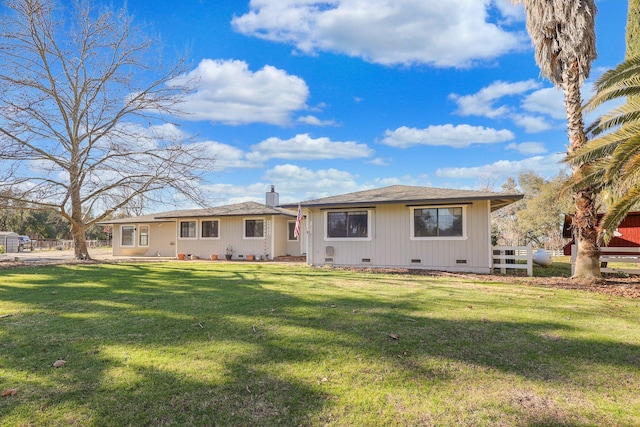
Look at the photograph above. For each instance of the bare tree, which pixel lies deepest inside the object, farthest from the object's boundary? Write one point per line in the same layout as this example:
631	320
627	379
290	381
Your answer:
85	104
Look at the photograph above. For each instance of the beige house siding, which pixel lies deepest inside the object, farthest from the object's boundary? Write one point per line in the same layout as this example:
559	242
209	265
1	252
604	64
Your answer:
162	240
390	245
230	233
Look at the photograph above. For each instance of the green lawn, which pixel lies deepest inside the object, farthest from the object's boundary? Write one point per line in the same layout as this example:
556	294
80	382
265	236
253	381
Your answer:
240	344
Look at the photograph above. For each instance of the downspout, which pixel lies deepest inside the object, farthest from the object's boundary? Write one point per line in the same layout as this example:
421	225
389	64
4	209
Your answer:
489	235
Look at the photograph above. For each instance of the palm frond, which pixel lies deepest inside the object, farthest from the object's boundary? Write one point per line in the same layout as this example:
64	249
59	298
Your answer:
622	81
618	211
624	153
629	114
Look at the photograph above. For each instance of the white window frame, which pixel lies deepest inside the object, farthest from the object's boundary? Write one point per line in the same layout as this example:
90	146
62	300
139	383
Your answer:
244	228
133	240
202	228
412	229
195	237
140	235
349	239
290	235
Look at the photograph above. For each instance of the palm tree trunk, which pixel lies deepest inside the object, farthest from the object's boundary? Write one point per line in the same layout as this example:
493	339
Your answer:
587	265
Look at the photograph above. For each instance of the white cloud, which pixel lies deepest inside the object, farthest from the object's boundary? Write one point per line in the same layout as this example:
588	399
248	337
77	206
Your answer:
481	103
544	165
314	121
451	33
227	156
311	184
531	124
304	147
459	136
528	148
548	101
380	161
228	92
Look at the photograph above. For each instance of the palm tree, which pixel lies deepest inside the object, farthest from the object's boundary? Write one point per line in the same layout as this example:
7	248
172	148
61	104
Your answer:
613	154
563	35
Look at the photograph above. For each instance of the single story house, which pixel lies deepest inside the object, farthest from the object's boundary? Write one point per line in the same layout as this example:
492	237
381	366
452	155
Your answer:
404	226
241	230
398	226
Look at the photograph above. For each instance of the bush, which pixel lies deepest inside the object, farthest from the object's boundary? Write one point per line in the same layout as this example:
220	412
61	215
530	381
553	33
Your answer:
1	249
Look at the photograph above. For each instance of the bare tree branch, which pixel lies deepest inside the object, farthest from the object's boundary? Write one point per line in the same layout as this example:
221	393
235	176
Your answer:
83	95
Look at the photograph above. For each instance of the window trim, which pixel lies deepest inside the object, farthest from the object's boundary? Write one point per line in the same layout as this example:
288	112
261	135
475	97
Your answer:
133	240
412	228
369	237
202	229
180	229
140	235
264	228
289	233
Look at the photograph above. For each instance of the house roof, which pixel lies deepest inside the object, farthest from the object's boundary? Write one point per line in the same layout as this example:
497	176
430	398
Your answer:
238	209
411	195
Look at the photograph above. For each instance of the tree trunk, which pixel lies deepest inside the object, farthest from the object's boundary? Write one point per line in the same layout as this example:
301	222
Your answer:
587	266
78	227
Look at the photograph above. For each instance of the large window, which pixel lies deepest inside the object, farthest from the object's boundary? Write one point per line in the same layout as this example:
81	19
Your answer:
143	235
254	228
128	235
351	224
210	229
187	229
444	222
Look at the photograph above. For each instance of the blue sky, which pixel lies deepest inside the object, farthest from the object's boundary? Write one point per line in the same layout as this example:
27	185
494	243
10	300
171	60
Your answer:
324	98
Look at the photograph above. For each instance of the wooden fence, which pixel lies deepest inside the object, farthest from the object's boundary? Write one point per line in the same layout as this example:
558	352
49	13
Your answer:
512	257
627	255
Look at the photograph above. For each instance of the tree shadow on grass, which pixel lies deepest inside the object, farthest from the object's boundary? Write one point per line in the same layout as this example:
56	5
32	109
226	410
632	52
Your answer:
240	323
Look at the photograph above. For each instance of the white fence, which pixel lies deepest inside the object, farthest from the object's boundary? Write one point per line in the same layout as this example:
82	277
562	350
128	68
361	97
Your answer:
608	255
511	257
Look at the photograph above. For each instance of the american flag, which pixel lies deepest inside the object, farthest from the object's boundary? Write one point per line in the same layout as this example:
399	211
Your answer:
296	231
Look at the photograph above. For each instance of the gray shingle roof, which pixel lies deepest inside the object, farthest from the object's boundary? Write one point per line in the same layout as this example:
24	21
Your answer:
238	209
411	194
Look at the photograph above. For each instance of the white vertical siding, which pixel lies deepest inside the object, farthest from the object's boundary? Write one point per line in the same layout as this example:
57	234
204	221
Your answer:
391	246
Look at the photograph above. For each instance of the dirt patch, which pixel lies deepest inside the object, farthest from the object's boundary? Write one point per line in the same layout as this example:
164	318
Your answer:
622	286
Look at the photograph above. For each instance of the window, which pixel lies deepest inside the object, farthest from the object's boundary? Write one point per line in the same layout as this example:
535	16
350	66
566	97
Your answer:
143	235
352	224
291	228
128	235
445	222
209	229
254	228
187	229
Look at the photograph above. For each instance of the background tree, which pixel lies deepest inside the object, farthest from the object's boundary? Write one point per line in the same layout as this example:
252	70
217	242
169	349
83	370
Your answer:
541	214
84	108
563	34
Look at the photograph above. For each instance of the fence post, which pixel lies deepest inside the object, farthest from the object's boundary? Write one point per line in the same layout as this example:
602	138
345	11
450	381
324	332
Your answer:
574	255
529	260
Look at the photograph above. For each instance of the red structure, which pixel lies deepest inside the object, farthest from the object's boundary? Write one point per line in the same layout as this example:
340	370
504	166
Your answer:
627	234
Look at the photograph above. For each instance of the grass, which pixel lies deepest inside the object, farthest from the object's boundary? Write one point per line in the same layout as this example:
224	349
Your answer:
201	343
